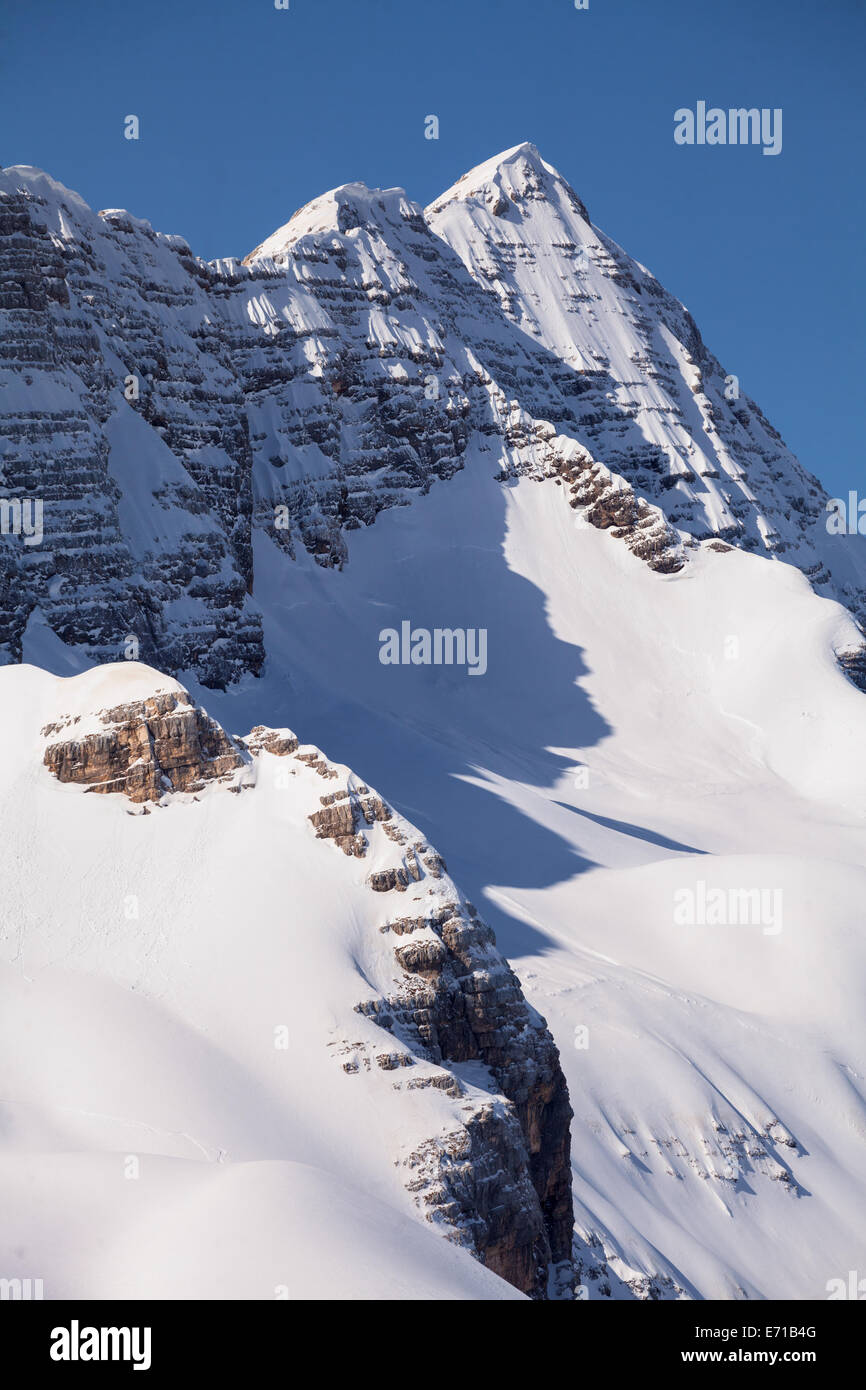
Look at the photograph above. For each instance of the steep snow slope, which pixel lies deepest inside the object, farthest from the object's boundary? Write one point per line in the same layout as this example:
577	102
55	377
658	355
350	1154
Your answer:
636	735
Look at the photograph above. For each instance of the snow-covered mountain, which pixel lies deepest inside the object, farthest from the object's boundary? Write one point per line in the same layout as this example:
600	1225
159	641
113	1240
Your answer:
168	411
484	416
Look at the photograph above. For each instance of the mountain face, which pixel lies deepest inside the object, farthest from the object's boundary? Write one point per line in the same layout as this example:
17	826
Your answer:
248	979
166	411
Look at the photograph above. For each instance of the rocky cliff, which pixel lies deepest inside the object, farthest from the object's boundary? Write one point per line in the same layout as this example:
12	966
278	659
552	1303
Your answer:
147	748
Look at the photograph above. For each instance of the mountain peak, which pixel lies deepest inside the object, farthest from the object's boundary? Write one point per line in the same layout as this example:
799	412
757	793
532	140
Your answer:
510	179
341	210
526	150
29	176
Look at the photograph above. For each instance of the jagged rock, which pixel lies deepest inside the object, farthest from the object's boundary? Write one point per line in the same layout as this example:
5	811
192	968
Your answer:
337	822
383	880
853	663
313	759
389	1061
425	958
146	748
476	1181
343	814
402	926
461	1002
279	742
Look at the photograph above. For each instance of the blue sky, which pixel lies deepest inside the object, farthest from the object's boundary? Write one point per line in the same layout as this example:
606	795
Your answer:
247	112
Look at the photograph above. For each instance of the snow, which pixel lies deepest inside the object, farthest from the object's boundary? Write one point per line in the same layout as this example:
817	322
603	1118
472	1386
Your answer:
260	1230
354	202
145	469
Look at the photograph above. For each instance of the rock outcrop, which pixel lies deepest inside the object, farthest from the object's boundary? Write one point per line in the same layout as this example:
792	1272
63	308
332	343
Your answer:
343	815
459	1002
144	750
853	663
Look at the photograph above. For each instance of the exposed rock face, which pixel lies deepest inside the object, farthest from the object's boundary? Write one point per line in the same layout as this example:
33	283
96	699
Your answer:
461	1002
91	308
853	663
612	505
280	742
148	748
165	409
477	1181
343	815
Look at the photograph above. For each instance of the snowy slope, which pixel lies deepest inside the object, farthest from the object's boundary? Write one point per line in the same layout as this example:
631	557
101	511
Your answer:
635	736
192	1103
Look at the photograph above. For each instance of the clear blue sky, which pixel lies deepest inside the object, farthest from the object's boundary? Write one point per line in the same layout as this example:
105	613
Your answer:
247	112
